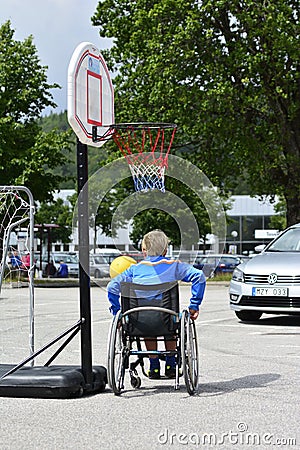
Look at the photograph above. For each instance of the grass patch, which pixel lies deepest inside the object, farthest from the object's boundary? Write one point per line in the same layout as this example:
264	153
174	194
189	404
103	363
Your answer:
221	277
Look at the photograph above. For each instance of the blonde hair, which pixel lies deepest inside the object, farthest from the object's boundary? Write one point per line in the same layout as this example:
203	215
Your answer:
155	243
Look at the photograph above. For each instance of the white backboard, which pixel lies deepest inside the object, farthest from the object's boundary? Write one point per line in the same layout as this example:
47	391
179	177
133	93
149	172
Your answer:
90	94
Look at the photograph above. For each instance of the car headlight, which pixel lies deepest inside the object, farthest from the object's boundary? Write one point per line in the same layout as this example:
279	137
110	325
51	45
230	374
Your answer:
238	275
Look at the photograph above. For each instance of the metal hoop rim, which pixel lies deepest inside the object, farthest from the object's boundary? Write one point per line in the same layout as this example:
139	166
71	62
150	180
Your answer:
141	125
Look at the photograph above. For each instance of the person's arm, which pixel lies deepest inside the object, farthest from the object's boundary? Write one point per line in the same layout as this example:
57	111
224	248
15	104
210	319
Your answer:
198	280
114	300
114	289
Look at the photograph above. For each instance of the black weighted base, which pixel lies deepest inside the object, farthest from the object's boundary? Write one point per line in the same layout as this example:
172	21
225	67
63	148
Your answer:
50	382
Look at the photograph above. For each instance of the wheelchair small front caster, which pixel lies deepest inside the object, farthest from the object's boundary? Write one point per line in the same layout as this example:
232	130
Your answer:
135	382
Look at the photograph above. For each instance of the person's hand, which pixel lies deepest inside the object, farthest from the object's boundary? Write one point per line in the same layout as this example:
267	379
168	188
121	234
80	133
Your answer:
193	314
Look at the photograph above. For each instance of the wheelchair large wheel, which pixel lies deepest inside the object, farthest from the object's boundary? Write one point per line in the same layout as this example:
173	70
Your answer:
189	352
115	362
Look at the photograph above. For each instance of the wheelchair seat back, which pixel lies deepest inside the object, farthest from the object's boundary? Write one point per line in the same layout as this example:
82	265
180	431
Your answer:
150	323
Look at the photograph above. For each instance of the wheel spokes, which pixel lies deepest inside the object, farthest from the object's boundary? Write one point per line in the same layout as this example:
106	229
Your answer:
189	353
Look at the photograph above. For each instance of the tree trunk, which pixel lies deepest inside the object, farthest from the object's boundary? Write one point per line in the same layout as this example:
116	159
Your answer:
291	135
292	210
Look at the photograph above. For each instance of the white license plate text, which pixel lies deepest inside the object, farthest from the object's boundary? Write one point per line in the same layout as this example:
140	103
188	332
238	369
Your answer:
270	292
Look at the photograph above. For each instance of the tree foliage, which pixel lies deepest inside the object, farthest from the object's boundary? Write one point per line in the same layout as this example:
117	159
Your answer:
278	221
228	72
67	171
57	213
28	154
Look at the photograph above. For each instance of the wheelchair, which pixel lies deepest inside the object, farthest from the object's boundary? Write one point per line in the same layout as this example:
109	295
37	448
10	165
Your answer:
151	311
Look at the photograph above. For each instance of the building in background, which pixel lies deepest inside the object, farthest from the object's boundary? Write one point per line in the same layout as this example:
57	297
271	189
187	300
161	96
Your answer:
248	226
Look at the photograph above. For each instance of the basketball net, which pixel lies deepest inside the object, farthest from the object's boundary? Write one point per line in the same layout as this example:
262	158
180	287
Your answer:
146	147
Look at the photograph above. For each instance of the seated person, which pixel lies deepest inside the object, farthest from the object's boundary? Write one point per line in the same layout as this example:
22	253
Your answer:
155	269
15	260
50	269
26	262
63	271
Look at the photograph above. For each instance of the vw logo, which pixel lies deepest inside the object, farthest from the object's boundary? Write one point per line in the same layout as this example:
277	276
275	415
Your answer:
272	278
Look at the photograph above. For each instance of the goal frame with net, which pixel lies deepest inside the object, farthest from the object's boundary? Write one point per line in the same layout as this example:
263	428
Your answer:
19	210
49	380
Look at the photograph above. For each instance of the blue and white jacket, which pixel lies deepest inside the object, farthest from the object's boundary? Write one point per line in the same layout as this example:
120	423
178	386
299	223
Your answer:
156	270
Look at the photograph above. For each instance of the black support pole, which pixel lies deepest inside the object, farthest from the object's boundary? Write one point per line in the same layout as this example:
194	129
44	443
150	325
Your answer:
84	278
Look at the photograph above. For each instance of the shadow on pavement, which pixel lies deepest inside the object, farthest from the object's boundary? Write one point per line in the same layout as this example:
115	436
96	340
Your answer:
247	382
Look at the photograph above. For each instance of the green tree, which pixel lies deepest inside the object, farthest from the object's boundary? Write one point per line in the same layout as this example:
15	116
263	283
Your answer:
227	72
278	222
57	213
28	154
67	171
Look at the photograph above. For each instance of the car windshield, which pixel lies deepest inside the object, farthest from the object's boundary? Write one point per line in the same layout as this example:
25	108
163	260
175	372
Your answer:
68	259
98	260
213	260
229	260
287	242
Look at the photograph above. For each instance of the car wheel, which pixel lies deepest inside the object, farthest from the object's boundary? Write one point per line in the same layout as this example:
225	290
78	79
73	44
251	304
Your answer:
248	316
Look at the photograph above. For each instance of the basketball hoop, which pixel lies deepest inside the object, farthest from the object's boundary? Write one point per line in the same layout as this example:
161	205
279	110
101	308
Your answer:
146	147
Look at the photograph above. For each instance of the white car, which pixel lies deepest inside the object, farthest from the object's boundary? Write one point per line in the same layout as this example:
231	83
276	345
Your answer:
99	267
270	282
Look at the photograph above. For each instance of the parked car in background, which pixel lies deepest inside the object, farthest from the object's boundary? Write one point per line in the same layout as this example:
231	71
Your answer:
187	256
218	264
70	259
270	282
99	267
107	253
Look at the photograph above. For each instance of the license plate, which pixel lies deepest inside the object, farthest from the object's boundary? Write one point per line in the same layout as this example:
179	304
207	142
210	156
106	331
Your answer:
270	292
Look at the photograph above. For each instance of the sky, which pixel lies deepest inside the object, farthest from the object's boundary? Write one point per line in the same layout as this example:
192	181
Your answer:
57	27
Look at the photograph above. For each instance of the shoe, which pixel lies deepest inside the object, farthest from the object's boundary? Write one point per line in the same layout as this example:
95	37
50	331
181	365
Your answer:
170	372
154	374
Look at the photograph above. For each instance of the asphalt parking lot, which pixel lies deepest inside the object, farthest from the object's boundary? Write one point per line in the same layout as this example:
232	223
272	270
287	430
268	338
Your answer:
248	395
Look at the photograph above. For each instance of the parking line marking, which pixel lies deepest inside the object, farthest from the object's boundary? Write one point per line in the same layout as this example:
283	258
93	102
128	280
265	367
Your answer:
213	320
